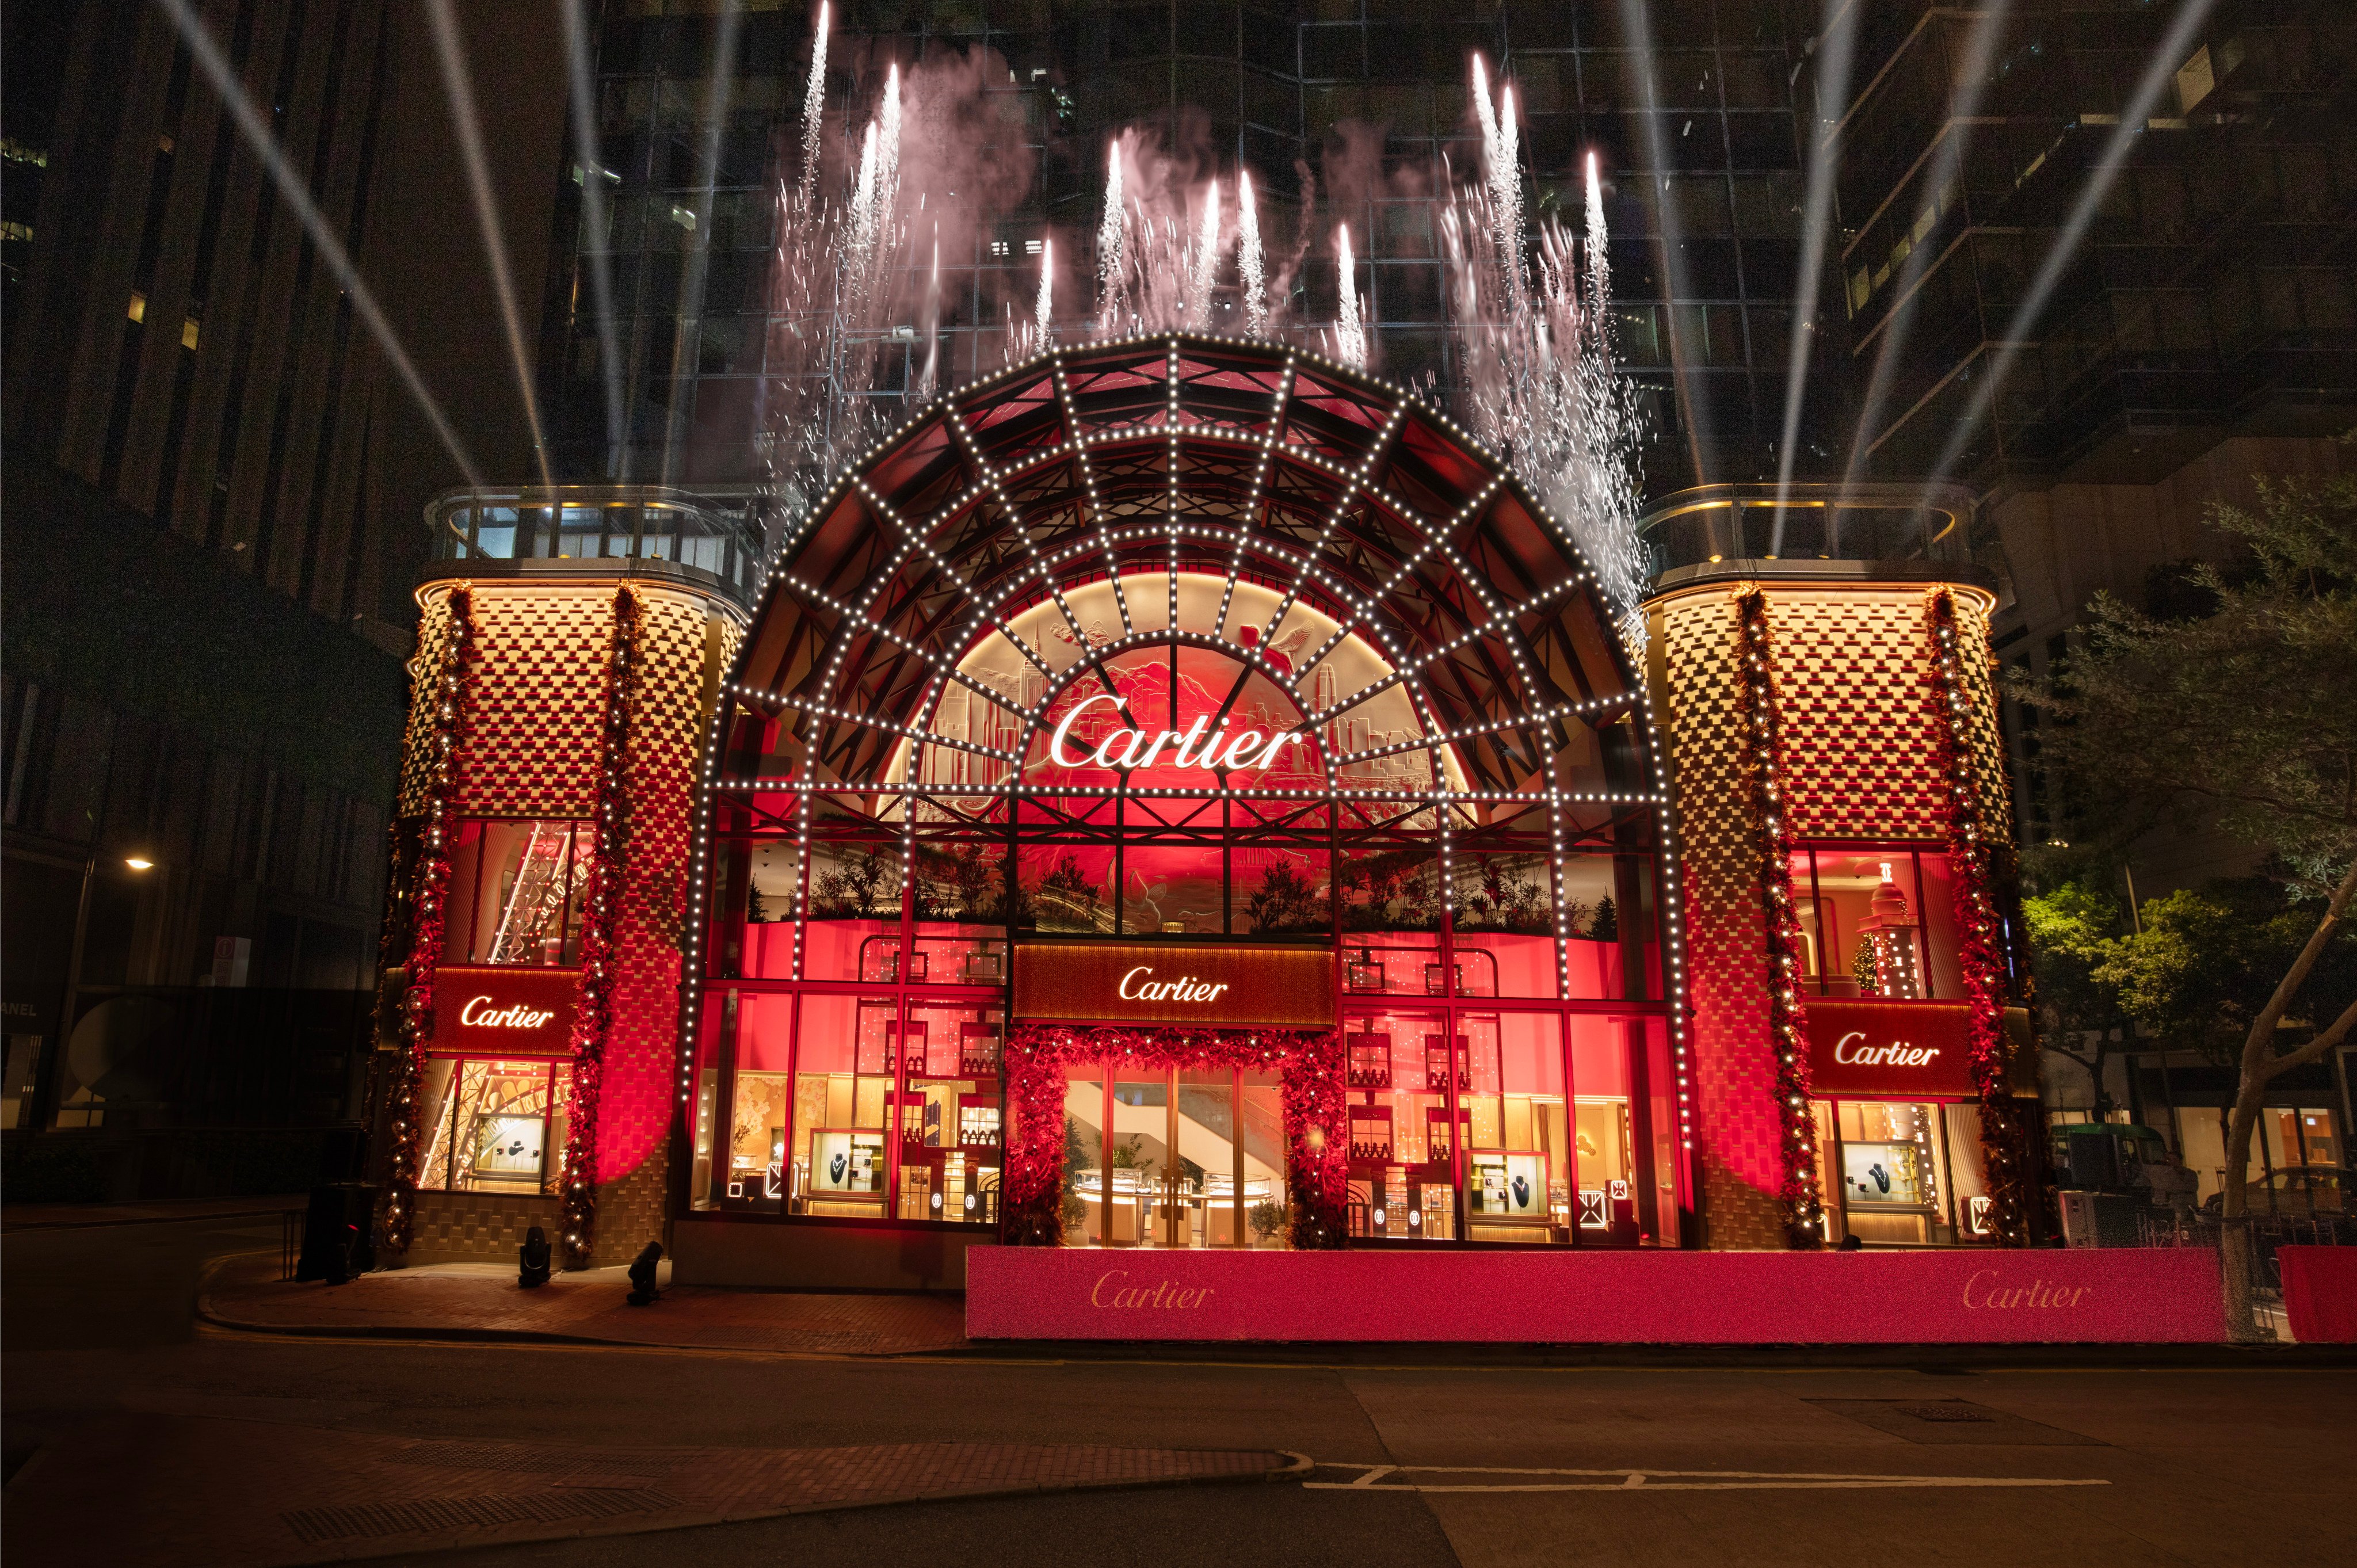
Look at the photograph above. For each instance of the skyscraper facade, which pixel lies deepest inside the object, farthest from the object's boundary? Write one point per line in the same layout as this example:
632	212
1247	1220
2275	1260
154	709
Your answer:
658	336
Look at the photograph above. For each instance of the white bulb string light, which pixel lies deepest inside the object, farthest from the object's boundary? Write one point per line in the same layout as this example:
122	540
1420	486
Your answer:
1058	364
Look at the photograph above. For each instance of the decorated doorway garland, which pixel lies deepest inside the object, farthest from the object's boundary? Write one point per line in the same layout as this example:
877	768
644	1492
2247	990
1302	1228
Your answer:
1309	1063
430	903
1980	948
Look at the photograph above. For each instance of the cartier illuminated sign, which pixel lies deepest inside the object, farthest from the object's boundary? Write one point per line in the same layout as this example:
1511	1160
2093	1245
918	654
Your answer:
1868	1048
1214	986
1125	748
510	1010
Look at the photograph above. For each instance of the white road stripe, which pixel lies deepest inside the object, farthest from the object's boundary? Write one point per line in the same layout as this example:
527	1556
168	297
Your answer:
1667	1481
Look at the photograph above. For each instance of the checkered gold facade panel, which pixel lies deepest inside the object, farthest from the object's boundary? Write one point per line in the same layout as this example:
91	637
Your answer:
1852	674
530	748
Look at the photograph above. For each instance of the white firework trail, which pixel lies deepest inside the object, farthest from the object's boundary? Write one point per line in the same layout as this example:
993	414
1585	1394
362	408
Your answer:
814	106
1203	261
1350	330
1109	259
1250	271
1537	353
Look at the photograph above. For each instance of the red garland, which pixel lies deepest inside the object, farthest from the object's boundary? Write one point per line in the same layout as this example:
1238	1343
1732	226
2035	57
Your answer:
593	1012
1980	950
1310	1063
432	912
1801	1194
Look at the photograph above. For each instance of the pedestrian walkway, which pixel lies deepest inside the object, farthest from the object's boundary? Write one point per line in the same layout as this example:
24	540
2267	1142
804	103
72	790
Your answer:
251	1492
483	1301
155	1211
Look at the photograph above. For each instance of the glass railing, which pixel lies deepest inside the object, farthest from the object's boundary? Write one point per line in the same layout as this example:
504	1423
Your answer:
719	537
1870	523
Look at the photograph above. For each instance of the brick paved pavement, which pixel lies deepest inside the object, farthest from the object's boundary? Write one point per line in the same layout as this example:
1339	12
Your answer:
479	1302
187	1492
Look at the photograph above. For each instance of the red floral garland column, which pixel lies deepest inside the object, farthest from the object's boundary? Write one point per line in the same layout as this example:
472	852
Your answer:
1980	948
593	1012
431	904
1310	1063
1800	1192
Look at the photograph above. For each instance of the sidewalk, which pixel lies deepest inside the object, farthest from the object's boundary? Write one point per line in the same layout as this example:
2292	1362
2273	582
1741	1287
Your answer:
482	1302
154	1211
191	1492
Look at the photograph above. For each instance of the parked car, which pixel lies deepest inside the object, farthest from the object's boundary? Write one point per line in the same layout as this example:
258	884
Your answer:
2296	1190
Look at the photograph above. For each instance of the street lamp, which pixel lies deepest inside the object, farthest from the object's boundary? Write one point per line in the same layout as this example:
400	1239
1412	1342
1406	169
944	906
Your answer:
138	863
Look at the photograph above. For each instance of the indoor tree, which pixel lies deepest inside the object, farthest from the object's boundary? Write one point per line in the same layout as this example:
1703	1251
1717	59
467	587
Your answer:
2239	715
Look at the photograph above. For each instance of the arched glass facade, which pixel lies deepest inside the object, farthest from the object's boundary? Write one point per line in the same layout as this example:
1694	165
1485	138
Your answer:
1196	644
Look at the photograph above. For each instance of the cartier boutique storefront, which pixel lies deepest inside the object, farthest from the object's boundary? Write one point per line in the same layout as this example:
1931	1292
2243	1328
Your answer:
1182	797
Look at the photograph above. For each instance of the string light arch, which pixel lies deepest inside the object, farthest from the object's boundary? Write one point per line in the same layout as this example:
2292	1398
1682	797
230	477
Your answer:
1021	537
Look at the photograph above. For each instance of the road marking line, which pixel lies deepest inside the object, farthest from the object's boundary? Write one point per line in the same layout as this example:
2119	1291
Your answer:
1667	1480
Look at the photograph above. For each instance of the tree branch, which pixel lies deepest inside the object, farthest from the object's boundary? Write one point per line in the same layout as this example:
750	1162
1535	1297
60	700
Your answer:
2317	1047
2263	1028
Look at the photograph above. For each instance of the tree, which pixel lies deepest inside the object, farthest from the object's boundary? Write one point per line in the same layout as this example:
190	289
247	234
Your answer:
2244	717
1285	901
2073	932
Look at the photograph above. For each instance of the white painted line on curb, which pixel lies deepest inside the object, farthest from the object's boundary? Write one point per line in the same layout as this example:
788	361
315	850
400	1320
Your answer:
1662	1481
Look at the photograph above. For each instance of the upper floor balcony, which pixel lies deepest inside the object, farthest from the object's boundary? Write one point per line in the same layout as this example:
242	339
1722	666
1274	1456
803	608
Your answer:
713	542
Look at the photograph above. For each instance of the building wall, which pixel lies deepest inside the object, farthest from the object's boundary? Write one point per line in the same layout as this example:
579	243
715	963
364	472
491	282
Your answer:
530	748
1852	673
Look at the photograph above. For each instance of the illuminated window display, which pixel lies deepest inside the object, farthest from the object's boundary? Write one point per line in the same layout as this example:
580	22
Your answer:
494	1125
516	889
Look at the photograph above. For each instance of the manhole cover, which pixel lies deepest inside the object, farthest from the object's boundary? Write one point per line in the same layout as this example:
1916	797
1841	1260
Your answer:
1937	1421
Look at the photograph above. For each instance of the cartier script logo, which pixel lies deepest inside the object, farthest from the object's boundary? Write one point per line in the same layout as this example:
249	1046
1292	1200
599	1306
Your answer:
1104	1293
480	1014
1186	988
1980	1291
1900	1054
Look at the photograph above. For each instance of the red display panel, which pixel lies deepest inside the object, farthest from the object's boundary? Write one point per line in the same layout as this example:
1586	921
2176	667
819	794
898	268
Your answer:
1175	982
1889	1050
503	1012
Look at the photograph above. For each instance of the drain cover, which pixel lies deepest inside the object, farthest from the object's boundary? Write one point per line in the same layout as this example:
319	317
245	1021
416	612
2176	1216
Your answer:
1939	1421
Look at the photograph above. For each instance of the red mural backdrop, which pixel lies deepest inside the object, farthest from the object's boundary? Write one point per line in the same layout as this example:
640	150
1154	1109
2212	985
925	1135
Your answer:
1310	1064
1980	936
431	905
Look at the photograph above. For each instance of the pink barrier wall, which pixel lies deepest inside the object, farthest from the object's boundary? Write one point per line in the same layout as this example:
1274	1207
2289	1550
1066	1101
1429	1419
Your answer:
2319	1286
2139	1295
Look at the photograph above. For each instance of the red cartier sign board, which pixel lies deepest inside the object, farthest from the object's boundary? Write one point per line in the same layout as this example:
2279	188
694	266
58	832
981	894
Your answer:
483	1011
1889	1050
2124	1295
1175	982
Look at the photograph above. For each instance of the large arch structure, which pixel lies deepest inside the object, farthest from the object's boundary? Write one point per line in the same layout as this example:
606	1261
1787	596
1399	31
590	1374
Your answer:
1425	740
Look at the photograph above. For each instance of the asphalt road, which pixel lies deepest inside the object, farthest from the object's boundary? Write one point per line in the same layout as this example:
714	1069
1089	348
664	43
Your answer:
1477	1464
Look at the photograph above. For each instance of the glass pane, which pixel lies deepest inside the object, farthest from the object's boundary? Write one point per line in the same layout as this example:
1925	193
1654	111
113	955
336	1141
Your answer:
1268	1214
516	892
433	1158
499	1130
950	1131
1209	1160
839	1163
1138	1161
761	1110
1605	1198
1084	1166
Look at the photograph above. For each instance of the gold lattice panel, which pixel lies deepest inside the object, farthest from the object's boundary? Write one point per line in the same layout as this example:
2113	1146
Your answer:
434	629
1739	1154
1854	695
530	744
534	714
1853	681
